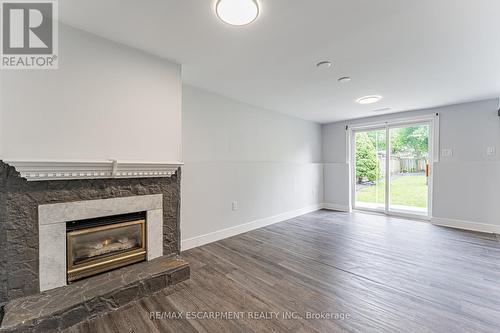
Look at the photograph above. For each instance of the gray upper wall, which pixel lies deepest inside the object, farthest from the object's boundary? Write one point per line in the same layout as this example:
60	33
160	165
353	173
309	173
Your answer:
217	128
465	126
105	101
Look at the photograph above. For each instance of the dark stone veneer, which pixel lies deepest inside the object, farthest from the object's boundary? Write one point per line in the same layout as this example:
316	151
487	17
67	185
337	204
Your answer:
19	201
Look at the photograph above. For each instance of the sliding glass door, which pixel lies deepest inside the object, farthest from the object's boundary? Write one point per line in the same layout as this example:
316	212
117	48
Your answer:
390	168
409	169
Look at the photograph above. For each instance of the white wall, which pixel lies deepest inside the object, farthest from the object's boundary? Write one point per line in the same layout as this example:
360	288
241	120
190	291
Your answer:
466	185
105	101
268	162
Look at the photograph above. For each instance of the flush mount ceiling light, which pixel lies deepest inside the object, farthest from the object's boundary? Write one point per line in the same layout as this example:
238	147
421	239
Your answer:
237	12
369	99
324	64
344	79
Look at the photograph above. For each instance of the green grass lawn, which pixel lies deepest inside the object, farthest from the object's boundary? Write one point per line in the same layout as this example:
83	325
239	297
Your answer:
405	190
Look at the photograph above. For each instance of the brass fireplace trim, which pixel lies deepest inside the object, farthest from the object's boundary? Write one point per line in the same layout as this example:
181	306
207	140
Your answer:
96	266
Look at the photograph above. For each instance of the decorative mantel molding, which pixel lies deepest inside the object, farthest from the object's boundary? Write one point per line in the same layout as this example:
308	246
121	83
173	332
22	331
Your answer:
39	170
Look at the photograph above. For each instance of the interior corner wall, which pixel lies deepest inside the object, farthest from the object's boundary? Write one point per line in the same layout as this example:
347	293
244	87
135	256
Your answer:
106	101
267	162
466	185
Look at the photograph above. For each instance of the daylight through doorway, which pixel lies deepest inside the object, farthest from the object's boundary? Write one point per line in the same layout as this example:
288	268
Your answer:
391	169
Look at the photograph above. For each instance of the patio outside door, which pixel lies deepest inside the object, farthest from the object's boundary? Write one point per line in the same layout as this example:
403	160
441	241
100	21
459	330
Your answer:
391	168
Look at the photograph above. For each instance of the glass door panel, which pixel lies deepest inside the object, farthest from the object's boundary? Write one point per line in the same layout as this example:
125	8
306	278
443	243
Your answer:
369	166
408	169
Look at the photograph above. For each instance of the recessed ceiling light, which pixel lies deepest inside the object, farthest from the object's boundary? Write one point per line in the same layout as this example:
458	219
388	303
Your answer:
369	99
344	79
382	109
237	12
324	64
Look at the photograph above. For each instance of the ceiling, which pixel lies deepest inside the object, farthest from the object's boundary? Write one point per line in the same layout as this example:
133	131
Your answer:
417	54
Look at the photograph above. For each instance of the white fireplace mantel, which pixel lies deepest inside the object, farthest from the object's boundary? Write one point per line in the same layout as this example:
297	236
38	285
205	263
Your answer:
38	170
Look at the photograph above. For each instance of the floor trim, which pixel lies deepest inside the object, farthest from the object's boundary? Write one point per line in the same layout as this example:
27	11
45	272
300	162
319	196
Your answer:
466	225
336	207
193	242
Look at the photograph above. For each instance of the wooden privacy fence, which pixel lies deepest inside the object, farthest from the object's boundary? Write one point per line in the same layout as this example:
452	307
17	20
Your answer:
403	165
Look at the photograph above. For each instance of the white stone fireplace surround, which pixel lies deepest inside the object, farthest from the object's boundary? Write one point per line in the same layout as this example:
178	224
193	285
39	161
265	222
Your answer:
52	220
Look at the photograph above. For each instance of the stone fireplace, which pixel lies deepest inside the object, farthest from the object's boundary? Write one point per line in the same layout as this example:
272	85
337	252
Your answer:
61	206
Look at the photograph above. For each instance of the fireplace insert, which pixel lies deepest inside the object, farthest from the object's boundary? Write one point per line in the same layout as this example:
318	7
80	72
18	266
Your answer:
99	245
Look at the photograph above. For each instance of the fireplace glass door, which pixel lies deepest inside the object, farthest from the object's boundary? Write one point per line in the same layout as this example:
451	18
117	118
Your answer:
98	249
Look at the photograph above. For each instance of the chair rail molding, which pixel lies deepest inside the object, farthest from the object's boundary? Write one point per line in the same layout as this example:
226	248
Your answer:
39	170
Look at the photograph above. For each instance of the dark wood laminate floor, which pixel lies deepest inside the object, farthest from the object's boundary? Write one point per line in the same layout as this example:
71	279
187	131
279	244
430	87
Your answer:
384	274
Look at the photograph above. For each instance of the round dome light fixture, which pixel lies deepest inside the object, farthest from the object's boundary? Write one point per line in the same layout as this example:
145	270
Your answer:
237	12
369	99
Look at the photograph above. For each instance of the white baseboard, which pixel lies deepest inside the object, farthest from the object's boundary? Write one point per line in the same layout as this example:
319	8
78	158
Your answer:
190	243
193	242
337	207
466	225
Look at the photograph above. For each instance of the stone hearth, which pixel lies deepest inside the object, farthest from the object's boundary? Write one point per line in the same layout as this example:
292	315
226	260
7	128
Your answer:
59	308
